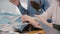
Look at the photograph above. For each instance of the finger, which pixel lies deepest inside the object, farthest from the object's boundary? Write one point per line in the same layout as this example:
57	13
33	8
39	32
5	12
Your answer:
36	15
23	21
25	16
26	19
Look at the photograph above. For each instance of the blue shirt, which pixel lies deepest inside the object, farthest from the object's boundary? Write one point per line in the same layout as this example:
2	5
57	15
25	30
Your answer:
32	11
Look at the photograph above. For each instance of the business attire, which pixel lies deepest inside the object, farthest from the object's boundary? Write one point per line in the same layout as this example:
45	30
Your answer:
47	4
50	1
23	10
33	11
54	13
29	10
27	7
44	4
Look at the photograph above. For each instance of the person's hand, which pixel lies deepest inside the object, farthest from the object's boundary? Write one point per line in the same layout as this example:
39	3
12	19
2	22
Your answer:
27	18
38	16
31	20
43	20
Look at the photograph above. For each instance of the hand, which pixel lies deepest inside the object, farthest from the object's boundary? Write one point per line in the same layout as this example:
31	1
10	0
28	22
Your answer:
38	16
31	20
27	18
43	20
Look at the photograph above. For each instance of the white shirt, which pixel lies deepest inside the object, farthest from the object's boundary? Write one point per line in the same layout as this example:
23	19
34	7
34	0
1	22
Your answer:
50	1
9	7
24	3
53	12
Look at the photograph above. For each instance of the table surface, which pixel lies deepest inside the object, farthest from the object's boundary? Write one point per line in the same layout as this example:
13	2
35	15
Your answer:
36	32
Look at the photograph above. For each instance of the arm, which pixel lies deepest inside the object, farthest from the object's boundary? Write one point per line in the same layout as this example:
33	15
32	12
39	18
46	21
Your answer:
46	15
31	20
44	21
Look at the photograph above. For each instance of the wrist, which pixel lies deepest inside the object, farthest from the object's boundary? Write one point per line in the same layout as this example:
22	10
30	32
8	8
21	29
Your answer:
36	24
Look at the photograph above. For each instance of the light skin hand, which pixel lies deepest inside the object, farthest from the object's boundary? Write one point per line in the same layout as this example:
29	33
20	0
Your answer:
31	20
43	20
27	18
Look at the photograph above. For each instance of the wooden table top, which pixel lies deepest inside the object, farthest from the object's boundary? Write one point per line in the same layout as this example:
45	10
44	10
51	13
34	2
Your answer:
36	32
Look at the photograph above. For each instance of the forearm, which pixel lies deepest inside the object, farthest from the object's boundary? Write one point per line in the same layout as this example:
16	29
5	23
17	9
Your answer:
35	23
45	21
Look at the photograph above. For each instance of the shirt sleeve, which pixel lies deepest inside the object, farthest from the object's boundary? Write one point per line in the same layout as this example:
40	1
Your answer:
49	11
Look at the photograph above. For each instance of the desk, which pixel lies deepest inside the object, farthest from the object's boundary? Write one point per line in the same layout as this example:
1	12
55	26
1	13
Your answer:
37	32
